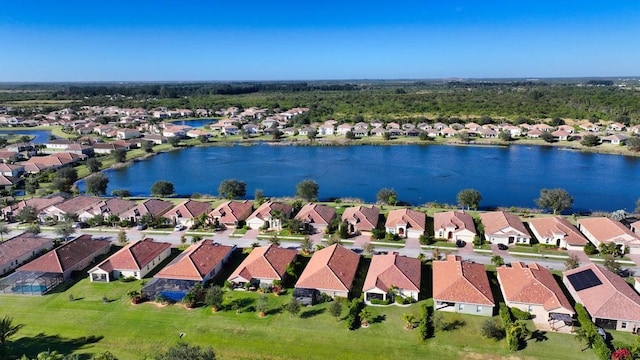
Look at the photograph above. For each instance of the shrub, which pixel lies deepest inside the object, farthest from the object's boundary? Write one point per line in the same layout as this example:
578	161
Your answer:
126	279
505	315
519	314
590	249
379	302
425	326
492	330
426	239
353	318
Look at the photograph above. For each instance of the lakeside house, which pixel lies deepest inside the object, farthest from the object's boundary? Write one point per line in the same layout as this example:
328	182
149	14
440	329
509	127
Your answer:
392	275
462	286
231	213
361	219
150	207
612	303
269	215
185	212
316	216
264	265
454	225
406	223
533	289
504	228
134	260
601	230
557	231
331	271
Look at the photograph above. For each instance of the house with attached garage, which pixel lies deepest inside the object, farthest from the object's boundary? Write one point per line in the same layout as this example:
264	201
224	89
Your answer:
454	226
136	260
392	275
406	223
20	249
504	228
558	231
269	215
533	289
610	301
330	271
264	265
316	216
185	212
231	213
601	230
361	219
151	207
462	286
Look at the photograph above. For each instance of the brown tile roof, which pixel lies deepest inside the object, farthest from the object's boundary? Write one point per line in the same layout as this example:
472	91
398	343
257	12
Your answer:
112	206
35	168
532	285
365	218
230	212
607	230
265	262
189	209
21	245
332	268
414	219
66	256
134	256
496	221
155	207
613	299
557	225
37	203
316	213
459	220
390	270
265	210
197	261
8	180
455	280
78	203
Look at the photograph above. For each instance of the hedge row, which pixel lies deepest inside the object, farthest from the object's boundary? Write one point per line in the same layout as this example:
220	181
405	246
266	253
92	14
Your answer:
599	346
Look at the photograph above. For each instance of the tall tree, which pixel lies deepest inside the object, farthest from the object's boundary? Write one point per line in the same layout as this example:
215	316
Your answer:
387	196
27	214
307	190
64	178
232	189
64	230
96	184
590	140
572	262
555	200
162	188
470	198
94	165
120	155
4	230
293	307
8	329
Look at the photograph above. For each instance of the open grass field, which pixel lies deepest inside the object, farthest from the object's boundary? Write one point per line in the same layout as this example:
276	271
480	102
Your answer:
88	325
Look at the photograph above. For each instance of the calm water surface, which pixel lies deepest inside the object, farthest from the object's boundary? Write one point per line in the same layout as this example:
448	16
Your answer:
41	136
506	176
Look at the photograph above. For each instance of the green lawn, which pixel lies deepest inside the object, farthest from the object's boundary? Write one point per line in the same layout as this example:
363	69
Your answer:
87	325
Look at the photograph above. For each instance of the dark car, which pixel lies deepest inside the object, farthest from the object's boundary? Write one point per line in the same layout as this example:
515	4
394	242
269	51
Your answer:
502	247
141	226
624	273
460	243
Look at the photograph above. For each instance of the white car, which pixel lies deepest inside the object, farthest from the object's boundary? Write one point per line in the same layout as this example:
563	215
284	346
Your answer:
179	227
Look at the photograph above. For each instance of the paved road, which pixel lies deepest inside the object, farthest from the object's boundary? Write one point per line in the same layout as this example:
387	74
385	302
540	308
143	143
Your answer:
411	249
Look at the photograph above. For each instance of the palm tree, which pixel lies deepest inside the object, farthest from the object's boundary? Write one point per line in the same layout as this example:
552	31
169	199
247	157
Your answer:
365	316
3	230
408	320
7	329
585	336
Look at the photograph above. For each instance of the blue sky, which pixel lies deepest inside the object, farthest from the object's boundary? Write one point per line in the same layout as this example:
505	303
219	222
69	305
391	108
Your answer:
294	40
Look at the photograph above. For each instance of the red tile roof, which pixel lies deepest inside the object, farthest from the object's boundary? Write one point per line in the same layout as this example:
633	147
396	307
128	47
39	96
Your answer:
197	261
533	284
497	221
316	213
134	256
365	218
155	207
607	230
230	212
455	280
459	220
21	245
267	208
189	209
557	225
67	256
265	262
390	270
77	204
613	299
332	268
412	218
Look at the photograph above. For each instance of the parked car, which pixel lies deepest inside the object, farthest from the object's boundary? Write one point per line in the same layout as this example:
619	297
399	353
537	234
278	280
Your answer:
460	243
80	225
503	247
141	226
624	273
179	227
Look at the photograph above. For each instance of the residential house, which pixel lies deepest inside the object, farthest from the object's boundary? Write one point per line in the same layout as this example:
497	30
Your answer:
107	148
534	289
504	228
448	132
185	212
317	216
74	205
361	219
153	207
269	215
20	249
11	170
343	129
330	271
557	231
10	212
635	227
534	133
198	264
126	134
615	139
106	208
610	301
231	213
601	230
391	275
462	286
406	223
230	130
616	127
454	226
135	260
264	265
326	129
561	135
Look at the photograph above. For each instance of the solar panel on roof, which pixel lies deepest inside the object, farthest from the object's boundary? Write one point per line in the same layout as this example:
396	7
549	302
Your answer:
584	280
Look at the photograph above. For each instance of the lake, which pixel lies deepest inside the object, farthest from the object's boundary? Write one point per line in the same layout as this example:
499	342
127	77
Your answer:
41	136
505	176
195	123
